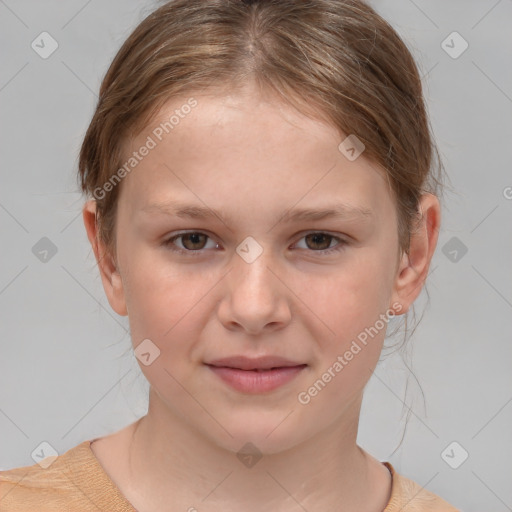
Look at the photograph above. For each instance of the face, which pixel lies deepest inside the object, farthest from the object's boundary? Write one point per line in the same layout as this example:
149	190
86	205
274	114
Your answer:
251	278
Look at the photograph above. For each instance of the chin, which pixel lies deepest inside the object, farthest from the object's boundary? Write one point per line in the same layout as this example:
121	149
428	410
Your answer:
261	437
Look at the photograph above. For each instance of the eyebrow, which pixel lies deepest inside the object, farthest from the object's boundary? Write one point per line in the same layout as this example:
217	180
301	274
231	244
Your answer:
338	211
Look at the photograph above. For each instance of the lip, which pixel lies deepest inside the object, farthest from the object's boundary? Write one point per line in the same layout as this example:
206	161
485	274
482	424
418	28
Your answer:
256	363
256	381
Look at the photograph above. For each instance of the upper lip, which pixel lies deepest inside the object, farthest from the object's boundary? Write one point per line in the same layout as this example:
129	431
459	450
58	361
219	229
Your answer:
257	363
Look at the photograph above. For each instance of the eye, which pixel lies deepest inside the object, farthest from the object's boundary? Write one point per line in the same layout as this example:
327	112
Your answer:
324	240
192	243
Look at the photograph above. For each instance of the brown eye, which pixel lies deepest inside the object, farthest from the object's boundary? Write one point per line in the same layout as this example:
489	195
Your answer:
320	241
193	241
190	242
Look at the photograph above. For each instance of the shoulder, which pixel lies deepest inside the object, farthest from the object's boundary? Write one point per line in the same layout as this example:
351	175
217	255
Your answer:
408	496
73	481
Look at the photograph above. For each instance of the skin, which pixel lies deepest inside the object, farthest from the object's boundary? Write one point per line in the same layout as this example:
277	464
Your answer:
253	158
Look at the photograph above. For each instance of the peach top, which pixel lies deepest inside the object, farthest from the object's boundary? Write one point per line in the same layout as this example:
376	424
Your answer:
76	481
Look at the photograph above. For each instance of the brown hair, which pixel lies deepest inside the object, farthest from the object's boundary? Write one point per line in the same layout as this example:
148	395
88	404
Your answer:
336	60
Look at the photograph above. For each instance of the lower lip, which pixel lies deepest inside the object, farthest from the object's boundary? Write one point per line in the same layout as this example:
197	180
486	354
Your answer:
251	381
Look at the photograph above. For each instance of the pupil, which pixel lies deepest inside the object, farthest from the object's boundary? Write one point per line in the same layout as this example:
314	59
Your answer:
317	236
194	238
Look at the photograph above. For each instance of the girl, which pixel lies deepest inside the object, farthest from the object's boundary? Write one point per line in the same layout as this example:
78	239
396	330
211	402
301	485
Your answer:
262	202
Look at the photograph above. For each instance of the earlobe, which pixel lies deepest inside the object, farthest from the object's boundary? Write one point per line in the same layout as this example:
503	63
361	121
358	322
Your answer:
109	272
414	265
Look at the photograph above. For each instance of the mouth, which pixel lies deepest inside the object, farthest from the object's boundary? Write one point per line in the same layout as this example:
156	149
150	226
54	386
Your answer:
261	378
264	363
258	370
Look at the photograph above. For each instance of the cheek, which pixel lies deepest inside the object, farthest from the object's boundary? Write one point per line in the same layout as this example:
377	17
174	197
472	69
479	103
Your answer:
159	304
353	297
164	300
354	304
167	309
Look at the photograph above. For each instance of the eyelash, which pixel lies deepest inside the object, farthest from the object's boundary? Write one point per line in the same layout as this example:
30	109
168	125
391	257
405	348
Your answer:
324	252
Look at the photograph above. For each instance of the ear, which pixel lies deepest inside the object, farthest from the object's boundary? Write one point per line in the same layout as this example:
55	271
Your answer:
110	276
413	268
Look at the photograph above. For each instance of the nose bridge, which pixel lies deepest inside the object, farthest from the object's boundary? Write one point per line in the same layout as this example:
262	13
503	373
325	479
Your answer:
252	262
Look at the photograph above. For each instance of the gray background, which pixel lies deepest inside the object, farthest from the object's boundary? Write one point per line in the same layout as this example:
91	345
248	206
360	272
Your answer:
67	373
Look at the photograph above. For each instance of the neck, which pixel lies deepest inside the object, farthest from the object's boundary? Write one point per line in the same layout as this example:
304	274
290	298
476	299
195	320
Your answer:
172	465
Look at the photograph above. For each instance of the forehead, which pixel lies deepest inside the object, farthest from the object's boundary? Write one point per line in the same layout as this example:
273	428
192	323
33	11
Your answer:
244	149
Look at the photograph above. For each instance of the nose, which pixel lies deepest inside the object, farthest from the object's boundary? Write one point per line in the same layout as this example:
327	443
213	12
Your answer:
255	299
